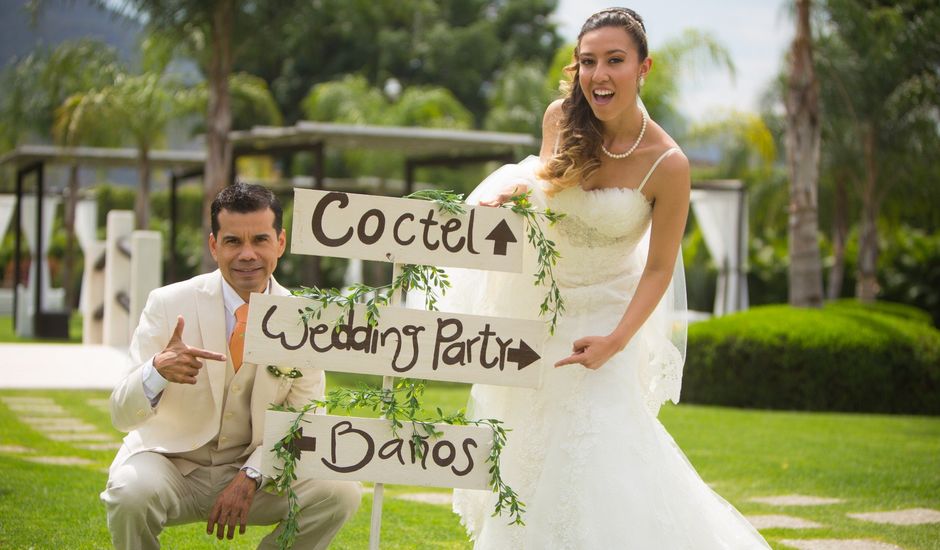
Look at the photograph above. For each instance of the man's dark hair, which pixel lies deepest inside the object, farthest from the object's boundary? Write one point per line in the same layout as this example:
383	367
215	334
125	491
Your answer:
244	198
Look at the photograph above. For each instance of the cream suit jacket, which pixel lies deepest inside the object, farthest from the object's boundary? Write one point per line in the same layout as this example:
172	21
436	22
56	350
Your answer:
188	415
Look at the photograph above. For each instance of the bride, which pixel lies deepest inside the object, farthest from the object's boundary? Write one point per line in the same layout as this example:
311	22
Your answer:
587	455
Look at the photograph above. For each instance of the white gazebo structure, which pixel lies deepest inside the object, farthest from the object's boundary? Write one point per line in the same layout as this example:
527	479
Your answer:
38	309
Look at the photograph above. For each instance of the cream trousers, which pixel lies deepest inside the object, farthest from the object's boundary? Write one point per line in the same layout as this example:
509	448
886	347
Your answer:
148	493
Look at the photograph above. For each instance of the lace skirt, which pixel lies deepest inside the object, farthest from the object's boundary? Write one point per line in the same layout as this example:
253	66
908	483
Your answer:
588	457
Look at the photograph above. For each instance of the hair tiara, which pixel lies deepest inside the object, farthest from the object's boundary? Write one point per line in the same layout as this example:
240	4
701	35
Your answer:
624	12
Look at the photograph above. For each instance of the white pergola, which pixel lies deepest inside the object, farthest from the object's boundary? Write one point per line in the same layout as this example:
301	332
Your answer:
33	216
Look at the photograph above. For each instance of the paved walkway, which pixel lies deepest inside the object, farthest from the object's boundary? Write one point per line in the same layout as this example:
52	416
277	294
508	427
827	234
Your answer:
61	366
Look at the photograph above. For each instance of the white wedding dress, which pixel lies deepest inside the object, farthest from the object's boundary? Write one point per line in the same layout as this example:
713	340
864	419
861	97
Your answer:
586	454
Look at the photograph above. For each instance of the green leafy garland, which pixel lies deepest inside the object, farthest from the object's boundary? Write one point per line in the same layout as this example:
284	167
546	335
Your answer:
427	279
547	254
400	405
424	278
453	203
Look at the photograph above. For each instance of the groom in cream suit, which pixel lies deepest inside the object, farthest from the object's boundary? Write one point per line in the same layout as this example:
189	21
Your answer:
194	412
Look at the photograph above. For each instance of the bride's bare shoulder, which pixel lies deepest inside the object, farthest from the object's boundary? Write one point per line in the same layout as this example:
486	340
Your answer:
553	112
550	128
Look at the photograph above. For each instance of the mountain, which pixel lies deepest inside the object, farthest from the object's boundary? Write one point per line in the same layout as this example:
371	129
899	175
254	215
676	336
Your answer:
59	21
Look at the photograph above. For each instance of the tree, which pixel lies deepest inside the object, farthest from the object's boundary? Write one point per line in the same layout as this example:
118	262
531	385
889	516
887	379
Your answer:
882	71
461	46
136	107
352	100
519	99
213	32
32	89
802	142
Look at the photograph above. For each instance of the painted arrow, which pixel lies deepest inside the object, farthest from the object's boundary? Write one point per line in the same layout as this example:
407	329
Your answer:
523	355
501	235
303	444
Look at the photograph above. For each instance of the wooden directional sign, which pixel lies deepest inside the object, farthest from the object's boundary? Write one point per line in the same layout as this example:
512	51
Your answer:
367	227
406	342
364	449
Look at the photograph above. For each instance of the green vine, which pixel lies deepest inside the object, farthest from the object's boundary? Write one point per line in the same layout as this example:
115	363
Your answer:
446	201
554	304
547	254
423	278
286	452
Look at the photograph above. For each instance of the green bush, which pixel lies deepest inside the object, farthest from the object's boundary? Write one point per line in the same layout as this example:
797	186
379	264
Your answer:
846	357
903	311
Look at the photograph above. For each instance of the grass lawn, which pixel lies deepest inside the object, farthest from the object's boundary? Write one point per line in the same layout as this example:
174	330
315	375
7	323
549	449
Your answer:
875	463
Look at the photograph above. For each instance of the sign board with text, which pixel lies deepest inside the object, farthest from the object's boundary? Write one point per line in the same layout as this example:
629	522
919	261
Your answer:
412	343
365	449
405	231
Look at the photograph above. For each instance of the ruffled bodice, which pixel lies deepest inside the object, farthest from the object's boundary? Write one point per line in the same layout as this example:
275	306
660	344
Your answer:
599	234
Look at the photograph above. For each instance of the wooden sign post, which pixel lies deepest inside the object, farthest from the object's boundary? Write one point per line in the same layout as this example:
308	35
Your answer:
405	342
365	449
429	345
407	231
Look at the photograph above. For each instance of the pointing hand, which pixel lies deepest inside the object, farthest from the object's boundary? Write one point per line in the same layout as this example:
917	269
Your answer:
181	363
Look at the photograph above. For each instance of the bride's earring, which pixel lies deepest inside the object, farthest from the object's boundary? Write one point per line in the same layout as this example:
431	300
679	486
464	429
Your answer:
640	84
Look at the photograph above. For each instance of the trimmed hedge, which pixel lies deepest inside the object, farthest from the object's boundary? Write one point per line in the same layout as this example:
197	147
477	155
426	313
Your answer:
846	357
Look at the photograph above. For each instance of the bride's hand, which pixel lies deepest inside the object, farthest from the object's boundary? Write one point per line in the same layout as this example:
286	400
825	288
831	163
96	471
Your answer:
592	351
506	194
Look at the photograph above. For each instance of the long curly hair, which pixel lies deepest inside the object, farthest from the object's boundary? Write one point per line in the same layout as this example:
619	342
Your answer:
580	132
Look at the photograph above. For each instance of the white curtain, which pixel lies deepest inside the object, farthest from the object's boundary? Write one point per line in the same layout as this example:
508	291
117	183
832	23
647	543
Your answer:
28	213
7	205
722	216
86	223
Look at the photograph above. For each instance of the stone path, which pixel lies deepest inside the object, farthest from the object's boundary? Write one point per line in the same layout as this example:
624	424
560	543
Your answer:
780	521
796	500
912	516
100	404
14	449
36	408
61	460
44	415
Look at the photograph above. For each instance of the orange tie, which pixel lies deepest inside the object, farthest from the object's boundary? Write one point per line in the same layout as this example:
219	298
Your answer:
236	344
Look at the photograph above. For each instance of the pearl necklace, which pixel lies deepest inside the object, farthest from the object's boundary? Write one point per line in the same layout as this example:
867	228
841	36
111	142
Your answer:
636	143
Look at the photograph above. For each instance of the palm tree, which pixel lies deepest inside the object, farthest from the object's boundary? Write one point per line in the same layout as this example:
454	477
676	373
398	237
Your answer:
880	66
34	88
137	108
802	143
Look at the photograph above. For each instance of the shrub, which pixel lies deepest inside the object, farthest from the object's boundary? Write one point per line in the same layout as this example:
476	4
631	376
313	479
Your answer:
845	357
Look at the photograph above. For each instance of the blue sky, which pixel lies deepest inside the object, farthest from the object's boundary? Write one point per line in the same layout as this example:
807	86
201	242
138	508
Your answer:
757	33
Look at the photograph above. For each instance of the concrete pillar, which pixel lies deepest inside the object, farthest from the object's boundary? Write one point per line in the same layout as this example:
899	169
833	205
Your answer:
146	272
93	294
117	273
